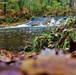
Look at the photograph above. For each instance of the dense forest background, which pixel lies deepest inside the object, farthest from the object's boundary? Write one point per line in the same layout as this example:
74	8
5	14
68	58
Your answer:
13	11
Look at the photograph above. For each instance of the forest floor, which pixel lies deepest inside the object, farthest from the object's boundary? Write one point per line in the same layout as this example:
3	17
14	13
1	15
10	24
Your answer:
37	64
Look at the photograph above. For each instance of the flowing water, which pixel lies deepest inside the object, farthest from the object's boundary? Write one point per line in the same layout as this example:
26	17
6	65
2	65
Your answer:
44	22
11	38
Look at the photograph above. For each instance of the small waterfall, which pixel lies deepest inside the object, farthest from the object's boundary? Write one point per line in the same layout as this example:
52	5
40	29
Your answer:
44	22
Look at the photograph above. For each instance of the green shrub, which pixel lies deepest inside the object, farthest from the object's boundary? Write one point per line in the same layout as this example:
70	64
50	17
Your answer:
41	41
16	19
73	35
9	19
1	21
23	18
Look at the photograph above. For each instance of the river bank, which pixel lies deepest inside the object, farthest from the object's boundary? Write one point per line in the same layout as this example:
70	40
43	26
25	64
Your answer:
13	24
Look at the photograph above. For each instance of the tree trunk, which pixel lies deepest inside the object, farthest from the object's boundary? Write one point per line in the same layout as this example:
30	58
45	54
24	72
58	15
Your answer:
5	7
74	3
71	3
48	1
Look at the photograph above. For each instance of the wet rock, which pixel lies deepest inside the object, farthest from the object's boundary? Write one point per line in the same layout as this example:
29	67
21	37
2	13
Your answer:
46	21
36	24
47	51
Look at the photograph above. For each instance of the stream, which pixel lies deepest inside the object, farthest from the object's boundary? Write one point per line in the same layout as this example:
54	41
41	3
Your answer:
43	22
11	38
